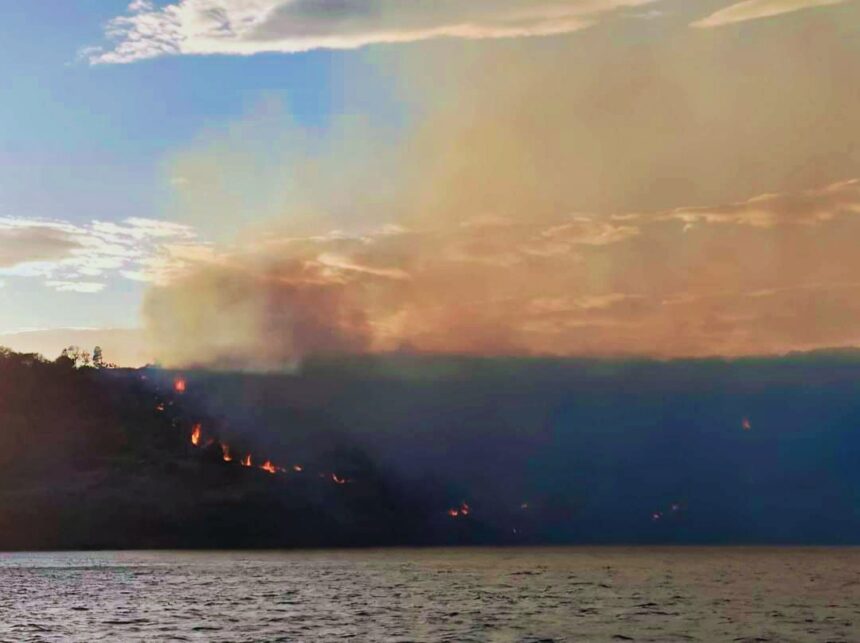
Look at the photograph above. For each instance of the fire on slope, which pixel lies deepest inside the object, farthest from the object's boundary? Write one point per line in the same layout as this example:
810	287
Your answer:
227	455
247	460
180	386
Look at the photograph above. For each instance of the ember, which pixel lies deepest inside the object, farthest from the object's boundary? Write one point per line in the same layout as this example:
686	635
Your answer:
179	385
225	453
337	479
297	468
462	511
268	466
195	435
246	461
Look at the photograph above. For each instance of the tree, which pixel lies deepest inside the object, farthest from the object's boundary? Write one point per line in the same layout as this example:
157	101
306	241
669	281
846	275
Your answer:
98	357
76	356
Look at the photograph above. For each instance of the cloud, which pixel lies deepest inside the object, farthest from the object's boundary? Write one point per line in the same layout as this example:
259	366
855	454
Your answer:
22	241
756	9
808	208
76	286
584	230
68	256
244	27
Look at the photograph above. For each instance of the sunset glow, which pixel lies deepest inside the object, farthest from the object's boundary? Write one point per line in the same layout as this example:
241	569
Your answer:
438	320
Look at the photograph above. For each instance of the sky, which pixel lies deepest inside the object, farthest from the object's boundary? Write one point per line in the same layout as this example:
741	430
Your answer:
246	182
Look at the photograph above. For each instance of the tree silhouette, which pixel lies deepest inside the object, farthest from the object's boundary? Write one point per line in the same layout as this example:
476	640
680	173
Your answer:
77	356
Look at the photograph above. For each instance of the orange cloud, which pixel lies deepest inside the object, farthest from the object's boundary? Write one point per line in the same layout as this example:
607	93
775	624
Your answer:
758	9
728	285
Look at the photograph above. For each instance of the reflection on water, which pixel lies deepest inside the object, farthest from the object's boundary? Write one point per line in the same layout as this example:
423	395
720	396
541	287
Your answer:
434	595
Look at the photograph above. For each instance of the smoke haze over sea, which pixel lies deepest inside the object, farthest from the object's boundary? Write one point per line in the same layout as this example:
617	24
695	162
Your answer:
693	451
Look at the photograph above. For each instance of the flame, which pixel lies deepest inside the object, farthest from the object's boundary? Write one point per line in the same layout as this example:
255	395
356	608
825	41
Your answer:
159	407
746	424
462	511
267	466
179	385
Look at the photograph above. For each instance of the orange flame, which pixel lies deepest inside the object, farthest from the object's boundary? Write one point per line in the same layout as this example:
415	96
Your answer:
225	453
179	385
268	466
246	461
195	435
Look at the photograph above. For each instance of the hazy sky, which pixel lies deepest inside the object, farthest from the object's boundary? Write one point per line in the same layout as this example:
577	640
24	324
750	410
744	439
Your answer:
253	180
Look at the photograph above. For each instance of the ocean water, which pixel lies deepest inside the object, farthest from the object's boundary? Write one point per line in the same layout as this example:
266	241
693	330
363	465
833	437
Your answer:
565	594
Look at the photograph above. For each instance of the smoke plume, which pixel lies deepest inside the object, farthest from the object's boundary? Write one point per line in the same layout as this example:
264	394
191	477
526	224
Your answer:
624	190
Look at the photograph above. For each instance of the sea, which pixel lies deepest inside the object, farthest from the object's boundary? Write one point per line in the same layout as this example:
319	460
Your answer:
457	595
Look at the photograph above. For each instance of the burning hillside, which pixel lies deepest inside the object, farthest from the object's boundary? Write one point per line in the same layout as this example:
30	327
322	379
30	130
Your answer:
122	458
419	450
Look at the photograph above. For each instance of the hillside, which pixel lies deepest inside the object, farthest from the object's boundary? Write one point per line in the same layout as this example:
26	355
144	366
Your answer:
431	450
93	459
